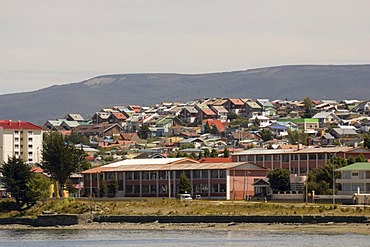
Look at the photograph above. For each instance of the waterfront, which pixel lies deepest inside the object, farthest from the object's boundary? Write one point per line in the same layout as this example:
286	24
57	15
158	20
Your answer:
162	237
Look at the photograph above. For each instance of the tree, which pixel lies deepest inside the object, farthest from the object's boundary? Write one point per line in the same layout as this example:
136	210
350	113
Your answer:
207	153
207	128
60	160
296	137
114	186
367	141
226	152
144	132
214	130
15	176
103	188
266	135
308	107
184	186
214	153
77	139
279	179
38	188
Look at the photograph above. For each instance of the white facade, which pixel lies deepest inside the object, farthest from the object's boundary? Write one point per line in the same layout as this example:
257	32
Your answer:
21	140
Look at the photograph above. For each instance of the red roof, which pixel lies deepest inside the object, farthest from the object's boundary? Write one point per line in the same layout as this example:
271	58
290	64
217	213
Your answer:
220	127
215	160
119	115
9	124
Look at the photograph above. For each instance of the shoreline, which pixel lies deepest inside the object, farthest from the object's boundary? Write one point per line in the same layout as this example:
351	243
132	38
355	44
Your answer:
324	228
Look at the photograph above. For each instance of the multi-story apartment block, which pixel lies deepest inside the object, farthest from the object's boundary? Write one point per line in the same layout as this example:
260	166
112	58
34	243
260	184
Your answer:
21	140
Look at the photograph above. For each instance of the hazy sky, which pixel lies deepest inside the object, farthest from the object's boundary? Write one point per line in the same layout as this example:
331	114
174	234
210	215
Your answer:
43	43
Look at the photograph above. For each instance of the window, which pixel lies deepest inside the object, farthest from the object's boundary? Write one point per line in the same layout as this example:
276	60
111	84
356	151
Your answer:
259	157
16	132
276	157
214	173
285	157
30	133
145	175
16	139
162	174
30	146
354	174
251	158
222	173
30	139
205	174
267	157
29	153
242	158
16	146
196	174
303	156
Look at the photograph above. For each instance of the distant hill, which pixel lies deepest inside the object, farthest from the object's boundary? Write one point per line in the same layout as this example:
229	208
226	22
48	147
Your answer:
86	97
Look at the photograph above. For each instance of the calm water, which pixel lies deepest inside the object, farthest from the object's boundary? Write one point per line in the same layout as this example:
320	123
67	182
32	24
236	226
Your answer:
108	238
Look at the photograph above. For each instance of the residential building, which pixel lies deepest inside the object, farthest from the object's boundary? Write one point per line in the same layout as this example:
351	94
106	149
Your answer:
354	178
20	139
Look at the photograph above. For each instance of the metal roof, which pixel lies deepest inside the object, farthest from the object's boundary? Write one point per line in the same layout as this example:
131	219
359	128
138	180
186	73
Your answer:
359	166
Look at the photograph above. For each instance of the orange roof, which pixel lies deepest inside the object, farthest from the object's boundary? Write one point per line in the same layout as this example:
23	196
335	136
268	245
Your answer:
37	169
119	115
208	111
237	101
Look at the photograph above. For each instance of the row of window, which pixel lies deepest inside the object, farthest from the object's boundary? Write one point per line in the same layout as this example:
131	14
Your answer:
284	157
16	146
195	174
21	132
352	174
152	188
16	139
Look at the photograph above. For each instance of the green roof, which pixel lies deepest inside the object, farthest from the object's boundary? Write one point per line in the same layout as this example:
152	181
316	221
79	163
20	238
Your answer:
359	166
305	120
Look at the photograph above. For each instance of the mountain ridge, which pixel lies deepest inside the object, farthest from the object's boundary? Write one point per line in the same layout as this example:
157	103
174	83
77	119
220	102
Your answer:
278	82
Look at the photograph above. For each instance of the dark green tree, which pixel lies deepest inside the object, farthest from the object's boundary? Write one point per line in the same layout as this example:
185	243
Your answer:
144	132
214	153
38	187
60	160
214	130
226	152
103	188
15	176
279	179
184	186
77	139
207	128
207	153
367	141
266	135
308	107
114	186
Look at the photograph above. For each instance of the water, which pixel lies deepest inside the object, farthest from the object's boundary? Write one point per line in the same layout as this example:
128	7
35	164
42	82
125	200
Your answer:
107	238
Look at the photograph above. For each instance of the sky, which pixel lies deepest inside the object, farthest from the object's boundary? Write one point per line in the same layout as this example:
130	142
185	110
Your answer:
44	43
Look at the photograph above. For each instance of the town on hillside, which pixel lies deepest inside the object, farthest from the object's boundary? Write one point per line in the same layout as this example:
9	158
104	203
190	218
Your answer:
226	148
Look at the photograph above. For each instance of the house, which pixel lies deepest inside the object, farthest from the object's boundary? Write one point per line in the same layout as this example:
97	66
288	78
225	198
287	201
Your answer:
213	122
353	178
268	108
98	132
259	121
306	124
346	134
117	117
252	109
189	114
235	105
327	140
74	117
326	118
362	108
161	178
101	117
205	113
221	113
20	139
281	128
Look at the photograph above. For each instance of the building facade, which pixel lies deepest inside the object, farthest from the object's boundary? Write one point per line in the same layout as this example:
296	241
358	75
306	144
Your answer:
161	178
20	139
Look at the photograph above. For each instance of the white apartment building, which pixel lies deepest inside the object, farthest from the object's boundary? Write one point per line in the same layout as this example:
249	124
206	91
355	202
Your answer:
20	139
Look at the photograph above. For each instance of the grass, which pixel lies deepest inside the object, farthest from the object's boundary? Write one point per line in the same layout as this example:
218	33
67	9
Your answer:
176	207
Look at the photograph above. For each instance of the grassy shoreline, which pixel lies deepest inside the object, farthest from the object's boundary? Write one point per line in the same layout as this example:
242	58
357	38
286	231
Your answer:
163	207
